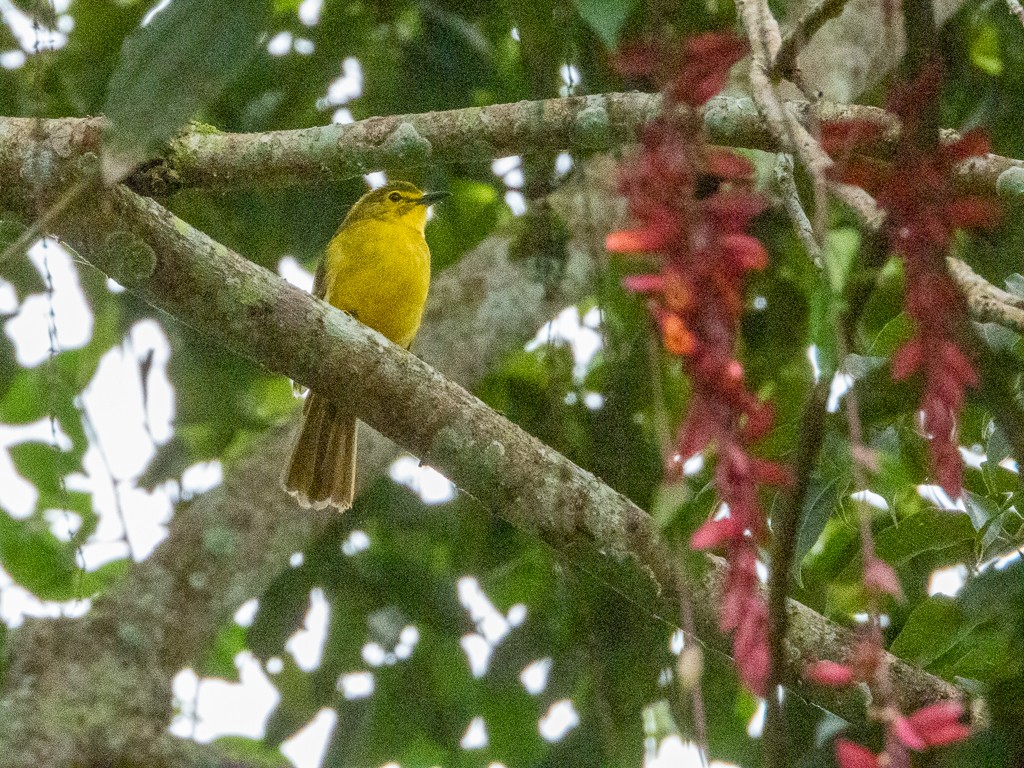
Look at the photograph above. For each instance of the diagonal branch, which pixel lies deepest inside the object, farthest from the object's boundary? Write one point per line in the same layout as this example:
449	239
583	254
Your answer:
219	560
258	315
257	526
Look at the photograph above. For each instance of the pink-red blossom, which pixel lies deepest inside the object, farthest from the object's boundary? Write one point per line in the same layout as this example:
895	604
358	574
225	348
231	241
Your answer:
850	755
697	298
933	726
881	579
924	208
829	673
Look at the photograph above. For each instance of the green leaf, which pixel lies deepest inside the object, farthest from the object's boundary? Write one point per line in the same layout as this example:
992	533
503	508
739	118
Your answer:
43	464
980	509
18	270
985	50
606	17
282	608
346	636
839	254
860	366
983	653
37	560
511	715
998	479
25	400
170	461
348	742
76	502
924	532
64	376
997	595
1000	339
668	498
821	501
297	706
93	582
896	332
933	628
525	579
170	69
821	327
220	659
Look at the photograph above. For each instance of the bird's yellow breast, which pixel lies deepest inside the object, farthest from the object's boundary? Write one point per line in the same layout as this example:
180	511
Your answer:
379	271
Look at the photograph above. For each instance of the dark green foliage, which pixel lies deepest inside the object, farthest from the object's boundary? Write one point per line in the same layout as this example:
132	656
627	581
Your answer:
606	18
606	634
172	68
607	652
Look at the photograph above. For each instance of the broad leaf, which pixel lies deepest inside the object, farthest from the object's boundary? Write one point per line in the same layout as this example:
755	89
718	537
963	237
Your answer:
606	17
172	68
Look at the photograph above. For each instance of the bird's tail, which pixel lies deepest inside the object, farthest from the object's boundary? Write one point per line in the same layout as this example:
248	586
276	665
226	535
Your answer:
322	469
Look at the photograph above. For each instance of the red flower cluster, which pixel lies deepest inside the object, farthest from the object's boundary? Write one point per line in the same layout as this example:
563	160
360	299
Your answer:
923	209
697	300
934	725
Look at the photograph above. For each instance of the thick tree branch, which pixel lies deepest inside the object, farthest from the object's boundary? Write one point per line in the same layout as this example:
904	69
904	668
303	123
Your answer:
53	152
255	313
43	151
217	563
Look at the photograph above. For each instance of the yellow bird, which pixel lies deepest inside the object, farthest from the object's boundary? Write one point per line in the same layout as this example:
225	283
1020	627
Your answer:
376	268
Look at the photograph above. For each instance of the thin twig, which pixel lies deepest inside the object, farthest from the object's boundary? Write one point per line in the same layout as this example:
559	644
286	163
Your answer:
51	407
880	684
811	135
93	435
783	120
760	25
786	185
40	225
785	525
810	21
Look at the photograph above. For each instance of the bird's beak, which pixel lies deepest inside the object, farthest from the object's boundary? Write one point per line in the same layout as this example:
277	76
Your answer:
432	197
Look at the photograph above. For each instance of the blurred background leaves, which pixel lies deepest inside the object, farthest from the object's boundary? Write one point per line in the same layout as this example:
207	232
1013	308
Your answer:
437	614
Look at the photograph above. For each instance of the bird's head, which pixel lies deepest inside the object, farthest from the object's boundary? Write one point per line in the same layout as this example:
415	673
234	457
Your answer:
398	202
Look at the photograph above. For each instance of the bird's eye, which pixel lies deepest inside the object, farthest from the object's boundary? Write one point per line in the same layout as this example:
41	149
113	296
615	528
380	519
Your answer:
395	197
